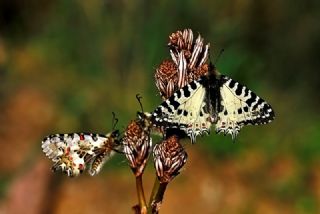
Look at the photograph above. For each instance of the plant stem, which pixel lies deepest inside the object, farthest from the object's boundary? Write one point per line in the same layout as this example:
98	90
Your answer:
155	189
156	197
141	197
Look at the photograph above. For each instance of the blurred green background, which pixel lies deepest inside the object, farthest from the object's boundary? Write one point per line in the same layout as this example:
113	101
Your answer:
66	65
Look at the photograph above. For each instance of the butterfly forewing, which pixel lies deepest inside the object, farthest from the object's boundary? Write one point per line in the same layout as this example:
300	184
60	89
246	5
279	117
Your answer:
240	106
186	110
73	152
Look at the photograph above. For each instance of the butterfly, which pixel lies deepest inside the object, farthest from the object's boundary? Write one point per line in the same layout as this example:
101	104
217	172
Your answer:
72	153
212	99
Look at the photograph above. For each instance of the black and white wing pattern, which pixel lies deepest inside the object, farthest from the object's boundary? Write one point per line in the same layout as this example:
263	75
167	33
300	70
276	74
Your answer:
186	110
72	153
213	99
240	106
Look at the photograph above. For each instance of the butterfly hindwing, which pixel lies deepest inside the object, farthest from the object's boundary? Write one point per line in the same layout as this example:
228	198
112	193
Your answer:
73	152
240	106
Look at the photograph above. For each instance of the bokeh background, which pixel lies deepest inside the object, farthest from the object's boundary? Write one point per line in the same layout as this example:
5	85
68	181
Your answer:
66	65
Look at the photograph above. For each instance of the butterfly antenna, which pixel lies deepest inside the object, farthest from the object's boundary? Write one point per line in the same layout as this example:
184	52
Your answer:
139	97
212	63
219	55
114	121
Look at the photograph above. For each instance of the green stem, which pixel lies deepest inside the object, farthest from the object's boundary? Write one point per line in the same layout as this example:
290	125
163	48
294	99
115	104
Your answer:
140	192
156	197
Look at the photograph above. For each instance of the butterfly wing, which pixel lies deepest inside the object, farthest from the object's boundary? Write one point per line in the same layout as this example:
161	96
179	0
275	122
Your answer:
72	152
240	106
186	109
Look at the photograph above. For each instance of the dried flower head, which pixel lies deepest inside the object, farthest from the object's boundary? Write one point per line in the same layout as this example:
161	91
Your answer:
169	157
137	144
166	78
189	62
181	40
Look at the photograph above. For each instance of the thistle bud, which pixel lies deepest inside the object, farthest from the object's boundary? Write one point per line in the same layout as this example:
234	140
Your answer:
166	78
189	62
181	40
169	157
195	52
136	144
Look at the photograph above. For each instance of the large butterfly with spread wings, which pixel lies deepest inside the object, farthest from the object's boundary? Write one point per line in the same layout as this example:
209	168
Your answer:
213	99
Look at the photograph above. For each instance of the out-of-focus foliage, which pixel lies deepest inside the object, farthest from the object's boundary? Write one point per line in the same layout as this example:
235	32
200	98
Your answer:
66	65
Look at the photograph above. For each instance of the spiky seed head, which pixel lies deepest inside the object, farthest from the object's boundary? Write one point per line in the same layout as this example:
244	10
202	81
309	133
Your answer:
189	62
136	145
166	77
169	157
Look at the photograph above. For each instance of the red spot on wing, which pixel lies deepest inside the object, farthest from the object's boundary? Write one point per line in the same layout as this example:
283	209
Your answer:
81	137
68	151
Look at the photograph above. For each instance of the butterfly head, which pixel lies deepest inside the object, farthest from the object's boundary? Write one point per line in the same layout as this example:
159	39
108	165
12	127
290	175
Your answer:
145	119
115	134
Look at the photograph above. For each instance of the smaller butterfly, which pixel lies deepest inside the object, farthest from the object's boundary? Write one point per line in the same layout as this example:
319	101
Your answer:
73	153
